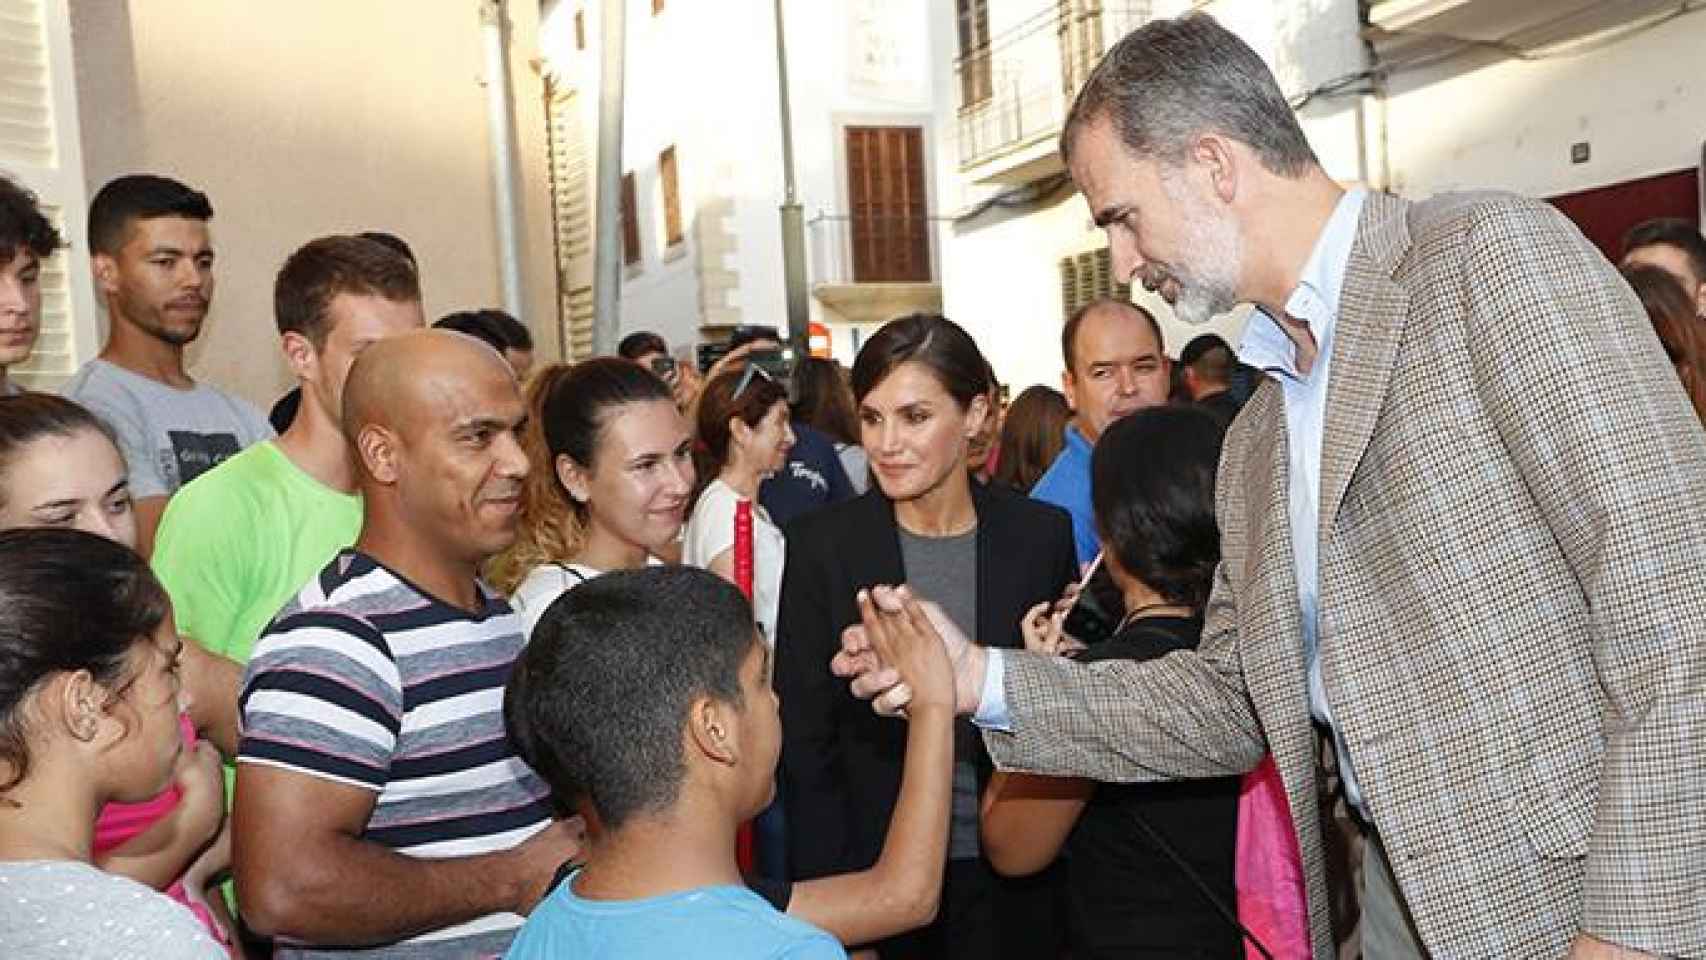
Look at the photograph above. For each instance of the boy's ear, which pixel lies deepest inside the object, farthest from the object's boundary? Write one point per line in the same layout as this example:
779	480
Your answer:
711	730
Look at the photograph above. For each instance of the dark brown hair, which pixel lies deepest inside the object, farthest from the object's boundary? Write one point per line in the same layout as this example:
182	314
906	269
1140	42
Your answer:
22	225
322	269
824	400
1671	310
69	601
718	405
1031	437
28	417
939	344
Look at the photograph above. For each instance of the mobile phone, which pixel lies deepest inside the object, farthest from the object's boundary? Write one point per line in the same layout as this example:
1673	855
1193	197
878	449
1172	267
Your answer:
1090	621
664	367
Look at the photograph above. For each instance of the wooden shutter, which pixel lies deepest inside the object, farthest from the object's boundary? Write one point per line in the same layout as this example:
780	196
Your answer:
630	221
975	86
1087	277
571	217
889	216
40	148
671	197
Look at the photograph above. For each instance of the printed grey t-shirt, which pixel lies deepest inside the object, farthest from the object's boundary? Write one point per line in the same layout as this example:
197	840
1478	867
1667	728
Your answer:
168	436
62	908
945	570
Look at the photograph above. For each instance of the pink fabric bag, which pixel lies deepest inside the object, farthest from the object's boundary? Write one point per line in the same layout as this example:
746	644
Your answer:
1272	903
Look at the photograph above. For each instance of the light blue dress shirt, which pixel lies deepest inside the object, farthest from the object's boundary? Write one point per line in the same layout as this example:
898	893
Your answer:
1314	301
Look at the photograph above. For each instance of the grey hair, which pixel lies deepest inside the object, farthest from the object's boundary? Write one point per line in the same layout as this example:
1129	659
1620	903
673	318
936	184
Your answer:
1170	81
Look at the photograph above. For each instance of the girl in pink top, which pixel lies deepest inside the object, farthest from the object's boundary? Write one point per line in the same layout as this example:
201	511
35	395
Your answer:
59	467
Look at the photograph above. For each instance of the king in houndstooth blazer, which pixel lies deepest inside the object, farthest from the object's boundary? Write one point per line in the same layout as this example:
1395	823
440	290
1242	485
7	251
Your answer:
1512	599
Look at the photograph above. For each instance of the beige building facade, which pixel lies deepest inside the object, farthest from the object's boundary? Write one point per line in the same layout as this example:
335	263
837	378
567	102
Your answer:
297	119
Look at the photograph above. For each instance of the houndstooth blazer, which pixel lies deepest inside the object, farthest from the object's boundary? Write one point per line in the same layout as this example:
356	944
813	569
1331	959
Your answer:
1512	599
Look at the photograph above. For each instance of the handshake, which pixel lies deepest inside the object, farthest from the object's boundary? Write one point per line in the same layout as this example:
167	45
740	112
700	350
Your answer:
905	655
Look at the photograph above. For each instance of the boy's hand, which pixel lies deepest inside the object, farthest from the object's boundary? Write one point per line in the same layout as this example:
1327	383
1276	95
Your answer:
907	642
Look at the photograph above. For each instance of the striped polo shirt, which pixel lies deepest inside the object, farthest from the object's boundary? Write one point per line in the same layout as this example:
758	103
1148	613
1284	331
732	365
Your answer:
366	680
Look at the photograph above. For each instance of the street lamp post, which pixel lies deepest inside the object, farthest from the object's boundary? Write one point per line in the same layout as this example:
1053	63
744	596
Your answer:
793	216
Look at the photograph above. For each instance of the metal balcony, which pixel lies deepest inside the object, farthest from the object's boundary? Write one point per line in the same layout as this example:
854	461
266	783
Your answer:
1014	94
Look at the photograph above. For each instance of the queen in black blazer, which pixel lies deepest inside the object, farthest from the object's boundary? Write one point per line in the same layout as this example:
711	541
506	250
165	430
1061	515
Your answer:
922	389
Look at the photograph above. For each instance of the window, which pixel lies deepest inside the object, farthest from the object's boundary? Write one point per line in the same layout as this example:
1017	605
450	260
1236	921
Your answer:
975	86
580	29
41	149
1086	277
630	222
1080	27
671	197
889	219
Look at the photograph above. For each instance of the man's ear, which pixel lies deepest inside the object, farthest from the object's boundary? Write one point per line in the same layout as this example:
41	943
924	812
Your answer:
574	478
1069	386
1215	154
379	453
712	731
105	269
299	353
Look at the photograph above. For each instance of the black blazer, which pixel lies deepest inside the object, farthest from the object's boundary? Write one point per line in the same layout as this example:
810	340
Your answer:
841	762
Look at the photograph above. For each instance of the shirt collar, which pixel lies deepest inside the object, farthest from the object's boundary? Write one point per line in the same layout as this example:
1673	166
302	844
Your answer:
1315	299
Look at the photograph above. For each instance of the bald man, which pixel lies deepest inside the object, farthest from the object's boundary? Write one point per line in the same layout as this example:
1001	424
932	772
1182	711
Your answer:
379	803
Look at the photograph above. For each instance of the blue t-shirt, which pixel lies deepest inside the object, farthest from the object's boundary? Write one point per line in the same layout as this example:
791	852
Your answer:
813	477
709	922
1067	485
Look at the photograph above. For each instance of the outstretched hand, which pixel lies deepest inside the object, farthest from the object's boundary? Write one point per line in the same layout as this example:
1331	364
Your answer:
895	624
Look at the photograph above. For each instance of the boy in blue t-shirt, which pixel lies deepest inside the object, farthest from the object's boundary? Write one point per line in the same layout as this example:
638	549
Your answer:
647	693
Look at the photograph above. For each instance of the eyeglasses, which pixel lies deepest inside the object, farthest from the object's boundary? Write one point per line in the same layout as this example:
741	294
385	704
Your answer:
746	378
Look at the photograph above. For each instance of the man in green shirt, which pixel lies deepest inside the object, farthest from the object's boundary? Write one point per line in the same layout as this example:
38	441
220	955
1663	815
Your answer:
242	539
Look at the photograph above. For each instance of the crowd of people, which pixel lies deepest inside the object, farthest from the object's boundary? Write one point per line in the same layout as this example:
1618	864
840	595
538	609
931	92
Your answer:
1376	634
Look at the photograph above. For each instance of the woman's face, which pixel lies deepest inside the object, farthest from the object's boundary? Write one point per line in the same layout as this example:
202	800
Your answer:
147	751
637	489
767	443
77	482
915	432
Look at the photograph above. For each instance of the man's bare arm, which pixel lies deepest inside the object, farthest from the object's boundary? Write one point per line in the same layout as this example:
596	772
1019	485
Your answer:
304	873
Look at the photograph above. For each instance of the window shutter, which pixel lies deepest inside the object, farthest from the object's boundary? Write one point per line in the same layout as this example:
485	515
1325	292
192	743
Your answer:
671	197
571	220
40	148
630	221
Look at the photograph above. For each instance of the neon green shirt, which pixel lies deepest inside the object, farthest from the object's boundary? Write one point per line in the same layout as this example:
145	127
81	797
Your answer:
242	539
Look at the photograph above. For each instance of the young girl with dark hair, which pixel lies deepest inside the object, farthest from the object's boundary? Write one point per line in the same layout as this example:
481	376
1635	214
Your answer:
744	436
611	473
1149	866
59	467
824	401
1031	437
89	706
986	555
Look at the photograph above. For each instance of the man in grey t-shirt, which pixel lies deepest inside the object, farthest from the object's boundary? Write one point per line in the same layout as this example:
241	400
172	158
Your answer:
153	266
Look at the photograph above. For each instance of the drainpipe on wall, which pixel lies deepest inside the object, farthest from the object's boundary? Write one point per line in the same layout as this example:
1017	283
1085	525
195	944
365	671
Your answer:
499	117
607	219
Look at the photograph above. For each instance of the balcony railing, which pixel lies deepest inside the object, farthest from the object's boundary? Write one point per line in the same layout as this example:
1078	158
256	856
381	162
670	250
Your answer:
844	249
1016	91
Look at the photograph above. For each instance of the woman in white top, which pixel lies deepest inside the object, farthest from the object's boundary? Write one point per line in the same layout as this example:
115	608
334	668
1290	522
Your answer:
744	437
89	702
612	471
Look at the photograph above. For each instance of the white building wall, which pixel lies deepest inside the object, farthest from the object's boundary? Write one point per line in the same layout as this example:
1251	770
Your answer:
1640	102
703	77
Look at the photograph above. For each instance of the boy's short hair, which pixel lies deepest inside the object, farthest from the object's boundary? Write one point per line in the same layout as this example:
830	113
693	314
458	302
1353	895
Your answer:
140	196
599	700
22	224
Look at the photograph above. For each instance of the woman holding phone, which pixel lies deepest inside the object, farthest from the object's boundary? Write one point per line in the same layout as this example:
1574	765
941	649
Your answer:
1150	867
985	555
